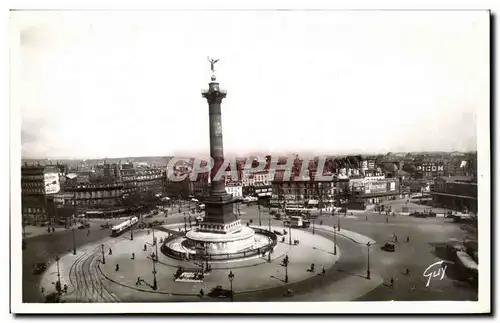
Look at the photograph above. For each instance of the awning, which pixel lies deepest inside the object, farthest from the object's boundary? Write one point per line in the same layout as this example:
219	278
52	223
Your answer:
313	202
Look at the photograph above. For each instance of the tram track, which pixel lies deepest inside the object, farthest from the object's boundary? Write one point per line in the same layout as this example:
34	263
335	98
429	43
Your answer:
85	278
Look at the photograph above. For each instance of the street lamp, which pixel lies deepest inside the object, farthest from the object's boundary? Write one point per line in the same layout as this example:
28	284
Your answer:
131	230
334	241
286	261
102	251
290	232
185	223
58	284
231	277
338	221
74	243
260	222
368	263
155	283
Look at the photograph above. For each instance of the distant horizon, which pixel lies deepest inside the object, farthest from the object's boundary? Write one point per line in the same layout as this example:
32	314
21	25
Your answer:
283	154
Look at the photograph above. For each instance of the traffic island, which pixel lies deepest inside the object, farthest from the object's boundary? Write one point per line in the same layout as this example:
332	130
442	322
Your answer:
249	274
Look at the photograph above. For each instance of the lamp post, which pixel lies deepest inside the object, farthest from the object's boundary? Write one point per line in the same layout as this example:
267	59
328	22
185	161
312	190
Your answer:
206	256
155	283
185	223
260	221
156	249
290	232
368	263
131	230
102	251
153	229
231	277
334	241
314	220
338	221
286	261
74	243
58	284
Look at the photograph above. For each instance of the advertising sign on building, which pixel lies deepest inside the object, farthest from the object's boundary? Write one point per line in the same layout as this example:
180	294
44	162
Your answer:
375	187
393	186
51	181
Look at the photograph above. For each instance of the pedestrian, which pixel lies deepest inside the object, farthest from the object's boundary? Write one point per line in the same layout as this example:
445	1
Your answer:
323	271
392	282
145	247
110	251
396	239
407	238
42	290
386	220
133	256
117	267
202	293
53	229
407	272
65	289
138	281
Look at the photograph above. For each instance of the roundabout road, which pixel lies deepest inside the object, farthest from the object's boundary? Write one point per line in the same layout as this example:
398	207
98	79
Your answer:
87	283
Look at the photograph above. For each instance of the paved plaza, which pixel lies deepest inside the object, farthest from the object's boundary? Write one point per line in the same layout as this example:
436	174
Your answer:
256	279
88	263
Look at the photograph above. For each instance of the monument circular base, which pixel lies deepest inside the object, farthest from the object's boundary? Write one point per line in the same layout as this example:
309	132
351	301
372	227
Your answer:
220	243
207	246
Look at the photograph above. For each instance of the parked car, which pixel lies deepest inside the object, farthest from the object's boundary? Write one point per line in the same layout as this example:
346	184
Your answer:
84	226
105	225
220	292
389	246
40	268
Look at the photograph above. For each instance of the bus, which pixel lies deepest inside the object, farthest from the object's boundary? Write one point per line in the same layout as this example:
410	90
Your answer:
297	211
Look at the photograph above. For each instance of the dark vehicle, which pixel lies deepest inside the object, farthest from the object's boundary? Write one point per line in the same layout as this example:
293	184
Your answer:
220	292
449	214
155	223
105	226
84	226
343	210
40	268
389	247
431	214
273	212
277	216
419	215
279	233
306	224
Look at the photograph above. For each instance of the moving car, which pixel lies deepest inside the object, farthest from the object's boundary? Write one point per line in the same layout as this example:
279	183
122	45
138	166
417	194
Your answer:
105	226
84	226
389	247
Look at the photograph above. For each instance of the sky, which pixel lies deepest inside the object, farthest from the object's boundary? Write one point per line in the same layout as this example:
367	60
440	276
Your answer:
96	84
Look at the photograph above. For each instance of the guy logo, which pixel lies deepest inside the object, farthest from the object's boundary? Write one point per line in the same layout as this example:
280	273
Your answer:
435	271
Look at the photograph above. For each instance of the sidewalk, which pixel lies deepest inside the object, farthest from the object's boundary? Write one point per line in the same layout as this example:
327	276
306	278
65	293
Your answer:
32	231
351	235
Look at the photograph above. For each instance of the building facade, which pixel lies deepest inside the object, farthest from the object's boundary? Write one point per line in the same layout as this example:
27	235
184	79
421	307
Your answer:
456	193
38	185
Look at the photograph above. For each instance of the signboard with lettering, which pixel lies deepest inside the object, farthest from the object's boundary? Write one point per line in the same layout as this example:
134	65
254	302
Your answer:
51	181
375	187
430	169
